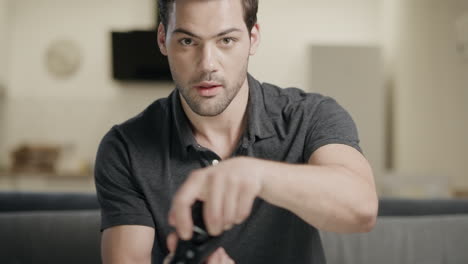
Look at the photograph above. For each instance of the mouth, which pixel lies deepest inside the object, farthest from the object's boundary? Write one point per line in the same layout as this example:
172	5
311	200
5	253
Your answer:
208	89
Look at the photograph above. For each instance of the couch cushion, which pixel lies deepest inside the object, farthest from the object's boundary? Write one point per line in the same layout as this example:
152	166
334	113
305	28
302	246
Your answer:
403	240
50	237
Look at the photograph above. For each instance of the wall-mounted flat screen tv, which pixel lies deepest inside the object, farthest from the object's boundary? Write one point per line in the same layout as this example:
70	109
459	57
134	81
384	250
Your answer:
136	57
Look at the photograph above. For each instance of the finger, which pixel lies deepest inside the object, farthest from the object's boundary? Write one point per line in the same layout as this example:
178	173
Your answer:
168	259
231	198
171	219
226	258
181	209
222	256
215	257
172	241
212	210
244	207
230	261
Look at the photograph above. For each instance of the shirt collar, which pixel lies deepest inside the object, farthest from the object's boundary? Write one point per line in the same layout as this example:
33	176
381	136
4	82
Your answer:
260	125
181	121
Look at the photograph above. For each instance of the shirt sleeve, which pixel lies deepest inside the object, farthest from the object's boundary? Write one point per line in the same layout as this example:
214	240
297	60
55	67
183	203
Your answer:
330	124
122	201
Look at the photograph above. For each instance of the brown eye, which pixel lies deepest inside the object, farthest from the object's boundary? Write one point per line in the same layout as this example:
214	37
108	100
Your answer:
186	42
227	41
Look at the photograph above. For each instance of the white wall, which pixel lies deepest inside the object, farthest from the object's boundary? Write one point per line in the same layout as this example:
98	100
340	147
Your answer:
35	25
3	37
81	109
431	99
289	28
3	67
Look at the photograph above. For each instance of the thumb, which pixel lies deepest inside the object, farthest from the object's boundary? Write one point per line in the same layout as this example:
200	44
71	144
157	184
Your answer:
171	241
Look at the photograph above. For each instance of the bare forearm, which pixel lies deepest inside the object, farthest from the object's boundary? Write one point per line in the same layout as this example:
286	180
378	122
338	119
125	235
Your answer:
127	244
124	260
334	192
328	197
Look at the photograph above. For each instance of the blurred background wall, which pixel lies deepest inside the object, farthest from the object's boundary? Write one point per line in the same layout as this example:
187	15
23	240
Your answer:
419	119
3	40
431	88
78	110
3	71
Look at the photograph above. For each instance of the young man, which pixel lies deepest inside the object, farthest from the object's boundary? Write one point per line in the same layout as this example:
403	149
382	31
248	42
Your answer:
287	162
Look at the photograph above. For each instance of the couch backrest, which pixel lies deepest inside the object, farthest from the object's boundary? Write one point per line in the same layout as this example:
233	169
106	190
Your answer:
64	228
407	232
420	207
403	240
37	201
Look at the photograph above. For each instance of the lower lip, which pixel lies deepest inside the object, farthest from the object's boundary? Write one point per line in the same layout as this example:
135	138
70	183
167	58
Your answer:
207	92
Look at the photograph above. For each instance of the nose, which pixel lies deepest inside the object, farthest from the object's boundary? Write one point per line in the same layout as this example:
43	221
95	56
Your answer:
208	58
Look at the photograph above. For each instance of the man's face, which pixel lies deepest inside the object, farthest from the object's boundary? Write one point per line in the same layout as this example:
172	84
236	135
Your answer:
208	45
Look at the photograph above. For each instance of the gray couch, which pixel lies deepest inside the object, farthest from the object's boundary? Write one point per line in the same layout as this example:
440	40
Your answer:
407	232
49	228
64	228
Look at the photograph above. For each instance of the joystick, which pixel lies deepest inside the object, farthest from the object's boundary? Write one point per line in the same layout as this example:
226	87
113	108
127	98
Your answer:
201	245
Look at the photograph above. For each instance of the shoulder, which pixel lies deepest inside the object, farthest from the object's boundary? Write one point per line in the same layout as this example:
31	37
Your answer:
291	99
142	127
151	117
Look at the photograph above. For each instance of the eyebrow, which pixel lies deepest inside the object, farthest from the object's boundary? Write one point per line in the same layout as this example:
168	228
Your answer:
222	33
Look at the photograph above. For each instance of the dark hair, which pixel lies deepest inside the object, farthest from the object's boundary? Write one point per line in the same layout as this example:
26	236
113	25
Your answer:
250	12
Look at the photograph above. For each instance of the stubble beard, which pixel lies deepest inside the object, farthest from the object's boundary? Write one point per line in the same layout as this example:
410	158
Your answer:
215	105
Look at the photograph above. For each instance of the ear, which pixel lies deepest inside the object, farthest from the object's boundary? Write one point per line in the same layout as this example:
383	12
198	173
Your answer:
254	39
162	39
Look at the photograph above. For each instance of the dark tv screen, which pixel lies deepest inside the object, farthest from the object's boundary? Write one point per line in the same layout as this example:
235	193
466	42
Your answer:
136	57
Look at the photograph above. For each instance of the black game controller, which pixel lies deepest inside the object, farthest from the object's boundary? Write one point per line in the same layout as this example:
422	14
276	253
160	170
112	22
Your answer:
201	245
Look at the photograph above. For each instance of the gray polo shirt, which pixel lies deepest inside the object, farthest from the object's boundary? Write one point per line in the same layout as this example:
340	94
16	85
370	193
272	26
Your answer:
142	162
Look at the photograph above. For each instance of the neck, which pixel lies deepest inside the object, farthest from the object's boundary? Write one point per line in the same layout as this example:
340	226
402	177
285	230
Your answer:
222	132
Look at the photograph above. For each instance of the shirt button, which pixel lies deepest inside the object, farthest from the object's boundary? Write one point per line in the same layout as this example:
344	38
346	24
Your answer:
215	162
190	254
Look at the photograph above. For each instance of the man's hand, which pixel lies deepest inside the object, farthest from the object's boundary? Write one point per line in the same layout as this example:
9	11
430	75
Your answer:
218	257
228	191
